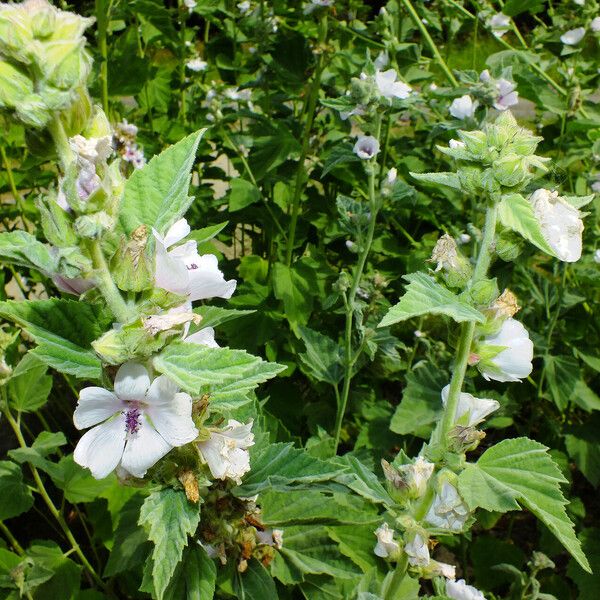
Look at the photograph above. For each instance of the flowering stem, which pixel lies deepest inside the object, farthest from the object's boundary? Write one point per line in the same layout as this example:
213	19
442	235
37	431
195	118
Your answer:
432	45
106	285
310	108
349	360
51	506
393	589
468	328
11	538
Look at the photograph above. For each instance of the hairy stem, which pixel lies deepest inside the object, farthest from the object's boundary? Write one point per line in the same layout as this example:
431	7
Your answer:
12	539
102	11
61	142
468	328
393	589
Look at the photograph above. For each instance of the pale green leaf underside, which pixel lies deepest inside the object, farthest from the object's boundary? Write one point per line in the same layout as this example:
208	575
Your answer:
449	179
21	248
425	296
516	213
519	473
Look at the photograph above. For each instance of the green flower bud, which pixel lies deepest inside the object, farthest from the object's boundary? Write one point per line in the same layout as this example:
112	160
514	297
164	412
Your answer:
483	292
509	245
72	263
131	266
77	115
93	225
56	223
119	345
511	170
475	142
14	85
16	35
43	20
363	91
32	110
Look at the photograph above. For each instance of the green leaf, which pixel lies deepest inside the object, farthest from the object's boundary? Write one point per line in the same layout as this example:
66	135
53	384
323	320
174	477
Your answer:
357	543
168	518
243	193
63	330
45	444
227	375
340	154
254	584
323	357
201	236
157	194
293	287
281	466
363	481
425	296
582	445
21	248
519	472
29	386
588	584
516	213
77	483
212	316
563	376
66	574
421	403
449	179
16	497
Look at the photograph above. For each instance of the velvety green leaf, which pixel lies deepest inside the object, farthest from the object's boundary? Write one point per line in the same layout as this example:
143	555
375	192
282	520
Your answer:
449	179
582	445
227	375
65	573
201	236
16	497
29	386
357	543
157	194
243	193
212	316
45	444
254	584
77	483
21	248
280	466
340	154
363	481
323	357
520	472
293	288
168	518
588	584
563	376
516	213
425	296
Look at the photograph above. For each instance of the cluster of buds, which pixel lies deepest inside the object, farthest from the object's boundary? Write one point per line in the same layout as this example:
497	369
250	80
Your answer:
43	61
497	159
126	146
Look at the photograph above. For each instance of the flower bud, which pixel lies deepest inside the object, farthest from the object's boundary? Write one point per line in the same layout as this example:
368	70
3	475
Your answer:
448	510
509	245
456	268
14	85
410	480
93	225
483	292
56	223
131	267
386	546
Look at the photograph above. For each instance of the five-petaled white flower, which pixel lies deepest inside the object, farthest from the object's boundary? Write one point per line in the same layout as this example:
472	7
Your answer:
499	24
573	36
470	410
366	147
183	271
560	222
135	426
388	86
196	64
226	451
459	590
448	511
463	107
513	361
386	546
417	551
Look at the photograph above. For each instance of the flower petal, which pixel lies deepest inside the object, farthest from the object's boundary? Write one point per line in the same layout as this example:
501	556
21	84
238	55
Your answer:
207	281
177	232
170	271
132	381
95	405
143	449
174	420
203	337
101	448
161	390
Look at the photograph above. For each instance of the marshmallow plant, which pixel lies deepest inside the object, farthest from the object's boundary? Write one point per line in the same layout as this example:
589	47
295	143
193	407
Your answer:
439	491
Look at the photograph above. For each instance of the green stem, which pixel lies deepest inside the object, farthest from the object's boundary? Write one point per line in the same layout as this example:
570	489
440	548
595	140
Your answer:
102	11
349	360
11	538
106	285
432	45
468	328
309	110
393	589
61	141
51	506
11	180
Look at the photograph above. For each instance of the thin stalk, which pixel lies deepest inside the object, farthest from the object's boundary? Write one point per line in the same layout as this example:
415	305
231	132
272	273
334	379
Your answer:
310	106
12	539
11	181
349	360
61	142
393	589
432	45
182	106
468	329
102	10
52	508
106	285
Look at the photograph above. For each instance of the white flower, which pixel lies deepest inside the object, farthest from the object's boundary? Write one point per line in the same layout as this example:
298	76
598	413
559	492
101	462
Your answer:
597	255
463	107
464	238
183	271
507	96
93	149
226	451
560	223
595	24
203	337
514	362
579	2
595	186
135	426
271	537
417	551
366	147
459	590
386	545
456	144
190	4
388	86
448	511
443	569
573	36
244	6
382	60
499	24
470	410
433	87
196	64
391	176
